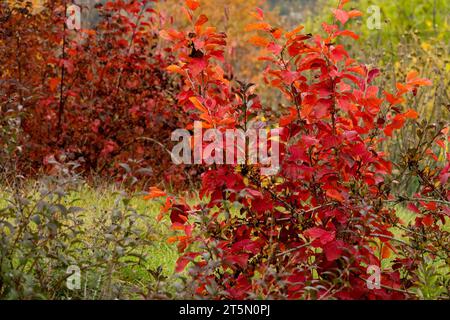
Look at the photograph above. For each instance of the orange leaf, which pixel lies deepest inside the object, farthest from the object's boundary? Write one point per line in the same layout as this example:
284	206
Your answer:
201	20
259	41
334	194
385	252
53	84
177	226
354	13
411	114
401	89
227	121
263	26
192	4
155	193
421	82
165	209
287	119
172	239
89	32
413	79
175	69
393	99
306	110
198	105
292	33
412	75
277	33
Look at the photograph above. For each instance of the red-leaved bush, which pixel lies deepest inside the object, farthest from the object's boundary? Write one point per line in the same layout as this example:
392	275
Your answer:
312	230
100	96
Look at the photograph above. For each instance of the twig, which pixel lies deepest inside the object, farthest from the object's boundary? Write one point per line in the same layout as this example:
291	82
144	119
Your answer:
402	199
292	249
61	89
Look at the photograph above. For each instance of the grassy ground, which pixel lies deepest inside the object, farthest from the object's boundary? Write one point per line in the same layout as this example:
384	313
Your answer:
102	199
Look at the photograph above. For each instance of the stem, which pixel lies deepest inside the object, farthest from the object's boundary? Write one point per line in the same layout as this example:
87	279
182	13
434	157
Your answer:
401	199
61	90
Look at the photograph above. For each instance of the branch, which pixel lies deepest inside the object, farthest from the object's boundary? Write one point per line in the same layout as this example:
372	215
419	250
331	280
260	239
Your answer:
404	199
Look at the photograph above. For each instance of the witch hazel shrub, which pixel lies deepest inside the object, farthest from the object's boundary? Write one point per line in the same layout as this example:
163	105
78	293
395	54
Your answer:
315	229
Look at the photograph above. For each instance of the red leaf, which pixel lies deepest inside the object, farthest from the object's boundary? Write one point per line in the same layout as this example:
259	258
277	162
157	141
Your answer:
198	65
184	260
428	220
372	75
259	14
178	213
240	259
192	4
341	15
347	33
411	206
246	245
122	43
322	107
333	250
320	234
201	20
108	147
397	123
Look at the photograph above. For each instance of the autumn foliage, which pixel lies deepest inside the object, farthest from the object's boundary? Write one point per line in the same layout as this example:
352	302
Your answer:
312	230
109	97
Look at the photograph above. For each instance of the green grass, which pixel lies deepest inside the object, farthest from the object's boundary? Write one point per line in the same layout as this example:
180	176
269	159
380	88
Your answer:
97	200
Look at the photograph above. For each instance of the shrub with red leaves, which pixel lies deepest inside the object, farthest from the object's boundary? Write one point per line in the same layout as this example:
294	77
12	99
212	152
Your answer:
101	97
312	230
